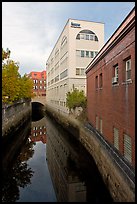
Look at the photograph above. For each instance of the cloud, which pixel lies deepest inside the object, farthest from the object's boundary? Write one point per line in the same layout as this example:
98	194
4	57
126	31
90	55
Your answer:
31	29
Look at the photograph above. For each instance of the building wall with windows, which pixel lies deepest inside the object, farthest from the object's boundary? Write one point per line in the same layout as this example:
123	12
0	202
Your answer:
77	44
111	89
39	82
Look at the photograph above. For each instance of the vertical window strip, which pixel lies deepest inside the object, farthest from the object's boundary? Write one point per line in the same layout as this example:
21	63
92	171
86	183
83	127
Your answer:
96	122
128	69
127	148
116	138
101	126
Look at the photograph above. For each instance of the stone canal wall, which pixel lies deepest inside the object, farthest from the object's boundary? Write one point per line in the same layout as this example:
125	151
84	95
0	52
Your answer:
13	116
117	175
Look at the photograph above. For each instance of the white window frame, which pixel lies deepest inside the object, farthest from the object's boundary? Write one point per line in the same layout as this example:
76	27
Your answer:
116	71
128	69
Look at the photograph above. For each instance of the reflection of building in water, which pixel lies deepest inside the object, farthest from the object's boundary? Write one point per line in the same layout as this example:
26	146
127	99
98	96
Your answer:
38	131
65	175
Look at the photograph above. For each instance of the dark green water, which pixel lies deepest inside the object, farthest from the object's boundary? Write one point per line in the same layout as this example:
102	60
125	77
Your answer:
50	166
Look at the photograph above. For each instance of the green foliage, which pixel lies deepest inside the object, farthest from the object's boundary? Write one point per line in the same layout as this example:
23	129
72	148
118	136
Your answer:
75	99
14	87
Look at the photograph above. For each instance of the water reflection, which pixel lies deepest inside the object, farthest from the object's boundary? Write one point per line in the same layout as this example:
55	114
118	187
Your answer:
45	152
73	170
16	174
38	131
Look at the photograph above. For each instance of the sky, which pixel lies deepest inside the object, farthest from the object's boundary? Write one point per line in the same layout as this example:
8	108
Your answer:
31	29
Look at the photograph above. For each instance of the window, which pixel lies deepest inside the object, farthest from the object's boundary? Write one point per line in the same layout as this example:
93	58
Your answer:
100	81
91	37
100	125
96	82
96	39
64	74
92	54
116	138
87	53
96	122
115	74
64	41
96	53
35	81
127	148
77	71
82	53
86	35
80	71
57	78
128	69
78	37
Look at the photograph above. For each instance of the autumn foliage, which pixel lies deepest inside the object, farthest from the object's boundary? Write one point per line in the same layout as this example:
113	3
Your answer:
14	87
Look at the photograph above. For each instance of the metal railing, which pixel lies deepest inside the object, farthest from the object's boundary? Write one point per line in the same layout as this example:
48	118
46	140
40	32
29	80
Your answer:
127	170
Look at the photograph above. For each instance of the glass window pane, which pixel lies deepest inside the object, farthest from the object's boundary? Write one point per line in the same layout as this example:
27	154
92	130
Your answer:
82	53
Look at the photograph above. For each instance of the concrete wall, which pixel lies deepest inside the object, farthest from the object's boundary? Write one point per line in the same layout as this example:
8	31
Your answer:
14	115
121	188
65	58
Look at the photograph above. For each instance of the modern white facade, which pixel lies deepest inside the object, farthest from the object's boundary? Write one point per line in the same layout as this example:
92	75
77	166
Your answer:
76	46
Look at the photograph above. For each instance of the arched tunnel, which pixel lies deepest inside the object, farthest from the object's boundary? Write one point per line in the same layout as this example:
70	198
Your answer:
37	111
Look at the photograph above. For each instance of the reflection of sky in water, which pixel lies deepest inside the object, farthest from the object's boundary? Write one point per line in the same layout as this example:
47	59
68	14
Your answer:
41	188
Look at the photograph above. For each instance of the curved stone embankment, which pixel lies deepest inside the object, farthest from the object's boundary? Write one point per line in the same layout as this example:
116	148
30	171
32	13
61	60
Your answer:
14	116
121	189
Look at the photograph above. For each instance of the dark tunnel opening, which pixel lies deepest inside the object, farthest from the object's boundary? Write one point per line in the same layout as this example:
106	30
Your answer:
37	111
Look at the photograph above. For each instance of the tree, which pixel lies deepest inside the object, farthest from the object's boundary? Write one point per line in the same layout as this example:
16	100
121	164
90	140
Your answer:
75	99
14	87
10	81
26	85
5	54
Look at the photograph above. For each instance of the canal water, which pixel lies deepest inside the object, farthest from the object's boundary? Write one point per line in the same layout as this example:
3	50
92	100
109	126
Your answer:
49	165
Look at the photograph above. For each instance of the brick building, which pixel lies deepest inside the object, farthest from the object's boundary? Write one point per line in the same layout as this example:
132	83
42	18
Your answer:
111	90
39	80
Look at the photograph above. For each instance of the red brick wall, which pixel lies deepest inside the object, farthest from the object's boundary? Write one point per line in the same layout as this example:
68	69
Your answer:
39	76
114	104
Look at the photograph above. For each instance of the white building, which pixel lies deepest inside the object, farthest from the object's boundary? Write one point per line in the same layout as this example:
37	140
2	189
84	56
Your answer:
76	46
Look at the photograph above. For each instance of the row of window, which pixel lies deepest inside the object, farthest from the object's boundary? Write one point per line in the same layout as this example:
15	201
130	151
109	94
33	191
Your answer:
38	81
86	53
80	71
61	103
40	127
84	36
127	144
37	134
62	76
79	53
127	139
115	75
39	87
116	72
